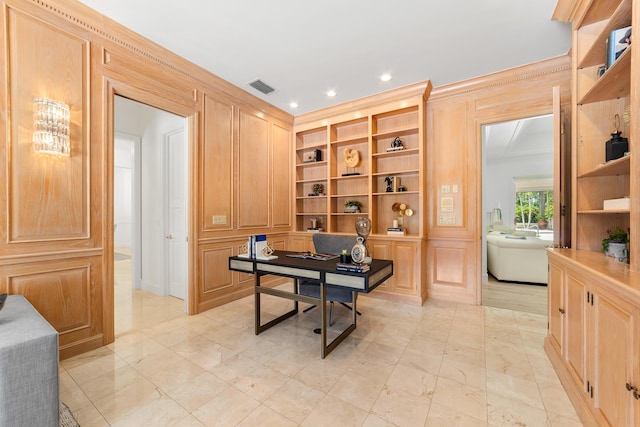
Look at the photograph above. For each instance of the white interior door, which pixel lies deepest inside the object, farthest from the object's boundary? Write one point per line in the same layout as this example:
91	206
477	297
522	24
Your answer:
176	236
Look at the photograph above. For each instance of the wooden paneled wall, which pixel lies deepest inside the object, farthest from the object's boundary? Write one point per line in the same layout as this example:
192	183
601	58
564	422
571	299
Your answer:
56	214
455	116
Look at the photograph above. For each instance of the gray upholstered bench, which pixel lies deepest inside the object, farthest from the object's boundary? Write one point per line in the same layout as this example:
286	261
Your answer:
29	388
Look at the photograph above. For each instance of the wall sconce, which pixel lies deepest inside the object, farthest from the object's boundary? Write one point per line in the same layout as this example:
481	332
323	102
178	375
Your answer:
51	127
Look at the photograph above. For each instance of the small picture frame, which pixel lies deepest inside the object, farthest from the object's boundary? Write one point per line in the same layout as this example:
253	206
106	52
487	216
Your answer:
601	70
313	156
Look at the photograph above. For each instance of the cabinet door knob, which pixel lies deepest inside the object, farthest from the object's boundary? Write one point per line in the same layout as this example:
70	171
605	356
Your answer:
561	311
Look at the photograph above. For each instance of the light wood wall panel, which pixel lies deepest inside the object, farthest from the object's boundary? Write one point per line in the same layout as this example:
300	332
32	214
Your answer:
451	270
216	164
48	197
215	278
65	293
448	150
282	159
455	116
218	285
253	171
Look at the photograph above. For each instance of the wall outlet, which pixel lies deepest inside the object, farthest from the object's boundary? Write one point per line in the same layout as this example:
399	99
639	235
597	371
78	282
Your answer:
219	219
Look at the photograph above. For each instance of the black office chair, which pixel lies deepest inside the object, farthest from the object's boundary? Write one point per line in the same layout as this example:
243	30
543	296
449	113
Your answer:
329	244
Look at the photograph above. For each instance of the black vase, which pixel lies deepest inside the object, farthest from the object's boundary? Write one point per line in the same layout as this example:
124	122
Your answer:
616	146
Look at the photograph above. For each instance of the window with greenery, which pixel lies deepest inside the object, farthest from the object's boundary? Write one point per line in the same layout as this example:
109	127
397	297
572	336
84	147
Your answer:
534	206
534	201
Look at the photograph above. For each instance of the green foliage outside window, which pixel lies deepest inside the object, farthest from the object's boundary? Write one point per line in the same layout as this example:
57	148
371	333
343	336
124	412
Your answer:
532	206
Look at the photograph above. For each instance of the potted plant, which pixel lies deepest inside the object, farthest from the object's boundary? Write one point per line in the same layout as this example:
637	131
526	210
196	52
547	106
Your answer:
615	244
543	222
352	206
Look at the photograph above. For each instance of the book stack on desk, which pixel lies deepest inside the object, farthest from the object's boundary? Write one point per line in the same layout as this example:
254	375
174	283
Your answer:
396	231
353	268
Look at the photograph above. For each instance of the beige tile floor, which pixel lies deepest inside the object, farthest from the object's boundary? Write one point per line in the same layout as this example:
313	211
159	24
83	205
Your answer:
442	364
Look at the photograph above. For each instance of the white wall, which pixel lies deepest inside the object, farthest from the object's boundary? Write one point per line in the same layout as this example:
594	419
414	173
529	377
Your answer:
150	124
123	185
499	189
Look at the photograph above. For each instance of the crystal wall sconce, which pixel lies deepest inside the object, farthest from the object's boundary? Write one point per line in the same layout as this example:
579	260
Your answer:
51	127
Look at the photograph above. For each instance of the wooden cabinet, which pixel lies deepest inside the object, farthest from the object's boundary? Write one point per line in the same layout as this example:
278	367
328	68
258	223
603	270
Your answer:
613	348
406	267
575	295
555	306
593	342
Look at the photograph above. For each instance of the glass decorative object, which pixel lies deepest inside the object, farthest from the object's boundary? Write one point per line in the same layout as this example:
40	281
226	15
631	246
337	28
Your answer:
363	228
51	127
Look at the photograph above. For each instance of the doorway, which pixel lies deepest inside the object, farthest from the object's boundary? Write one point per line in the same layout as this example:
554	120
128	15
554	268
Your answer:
517	155
150	186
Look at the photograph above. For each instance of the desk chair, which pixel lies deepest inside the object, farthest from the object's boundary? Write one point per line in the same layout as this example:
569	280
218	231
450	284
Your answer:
329	244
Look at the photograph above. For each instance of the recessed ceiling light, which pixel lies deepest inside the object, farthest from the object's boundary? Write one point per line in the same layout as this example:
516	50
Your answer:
331	93
293	105
385	77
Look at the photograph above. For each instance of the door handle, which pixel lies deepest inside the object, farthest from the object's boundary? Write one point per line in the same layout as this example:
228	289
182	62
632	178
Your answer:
170	237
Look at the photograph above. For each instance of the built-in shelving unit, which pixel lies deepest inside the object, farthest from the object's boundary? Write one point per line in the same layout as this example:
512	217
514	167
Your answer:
372	136
369	127
598	98
309	173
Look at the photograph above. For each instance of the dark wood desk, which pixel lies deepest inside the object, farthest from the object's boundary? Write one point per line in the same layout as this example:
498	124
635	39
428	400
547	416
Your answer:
308	269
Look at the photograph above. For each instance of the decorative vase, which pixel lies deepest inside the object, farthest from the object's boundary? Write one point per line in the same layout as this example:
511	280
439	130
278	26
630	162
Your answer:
363	228
617	251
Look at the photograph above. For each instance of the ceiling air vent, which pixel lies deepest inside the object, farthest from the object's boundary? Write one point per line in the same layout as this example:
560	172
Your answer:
262	86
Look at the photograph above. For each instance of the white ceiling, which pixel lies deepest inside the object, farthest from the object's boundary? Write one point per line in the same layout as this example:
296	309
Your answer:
519	139
303	49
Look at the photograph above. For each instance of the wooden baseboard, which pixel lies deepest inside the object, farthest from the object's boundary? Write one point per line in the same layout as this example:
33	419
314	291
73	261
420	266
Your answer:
79	347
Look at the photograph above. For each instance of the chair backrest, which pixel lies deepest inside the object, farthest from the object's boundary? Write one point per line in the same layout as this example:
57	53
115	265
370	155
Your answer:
333	243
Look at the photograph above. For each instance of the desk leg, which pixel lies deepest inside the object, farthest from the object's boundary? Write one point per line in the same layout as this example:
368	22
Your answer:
257	303
259	326
323	318
326	349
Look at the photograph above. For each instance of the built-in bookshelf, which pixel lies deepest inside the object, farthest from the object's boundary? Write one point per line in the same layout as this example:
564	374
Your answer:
602	94
389	139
